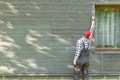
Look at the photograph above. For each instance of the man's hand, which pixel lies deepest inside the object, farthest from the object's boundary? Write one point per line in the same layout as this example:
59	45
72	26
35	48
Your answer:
74	61
93	17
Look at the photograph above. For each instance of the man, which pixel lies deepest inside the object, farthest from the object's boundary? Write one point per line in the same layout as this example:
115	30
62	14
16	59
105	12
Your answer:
81	59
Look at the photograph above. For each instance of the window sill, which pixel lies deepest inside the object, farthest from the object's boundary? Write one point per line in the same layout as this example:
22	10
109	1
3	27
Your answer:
107	49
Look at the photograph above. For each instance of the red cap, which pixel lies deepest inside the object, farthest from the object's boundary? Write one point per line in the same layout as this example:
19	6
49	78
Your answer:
87	34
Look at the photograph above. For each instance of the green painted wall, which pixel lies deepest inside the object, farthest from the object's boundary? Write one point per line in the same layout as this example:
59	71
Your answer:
39	36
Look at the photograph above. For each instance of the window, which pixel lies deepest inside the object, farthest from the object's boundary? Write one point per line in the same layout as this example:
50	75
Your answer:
107	26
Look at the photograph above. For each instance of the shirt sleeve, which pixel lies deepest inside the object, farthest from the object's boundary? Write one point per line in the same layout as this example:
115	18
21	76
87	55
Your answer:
91	30
79	47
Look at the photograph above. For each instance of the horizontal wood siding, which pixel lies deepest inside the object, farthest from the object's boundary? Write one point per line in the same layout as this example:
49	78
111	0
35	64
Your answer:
39	36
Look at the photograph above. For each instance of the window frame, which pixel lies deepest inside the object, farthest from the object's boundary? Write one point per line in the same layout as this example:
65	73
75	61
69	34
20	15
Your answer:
105	6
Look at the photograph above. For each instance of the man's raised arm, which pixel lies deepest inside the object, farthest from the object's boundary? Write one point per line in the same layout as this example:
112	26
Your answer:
92	26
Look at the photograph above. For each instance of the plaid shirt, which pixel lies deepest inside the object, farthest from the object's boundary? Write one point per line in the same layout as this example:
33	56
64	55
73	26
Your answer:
79	44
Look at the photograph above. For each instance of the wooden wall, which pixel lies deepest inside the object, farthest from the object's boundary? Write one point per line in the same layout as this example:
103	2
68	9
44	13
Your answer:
39	36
